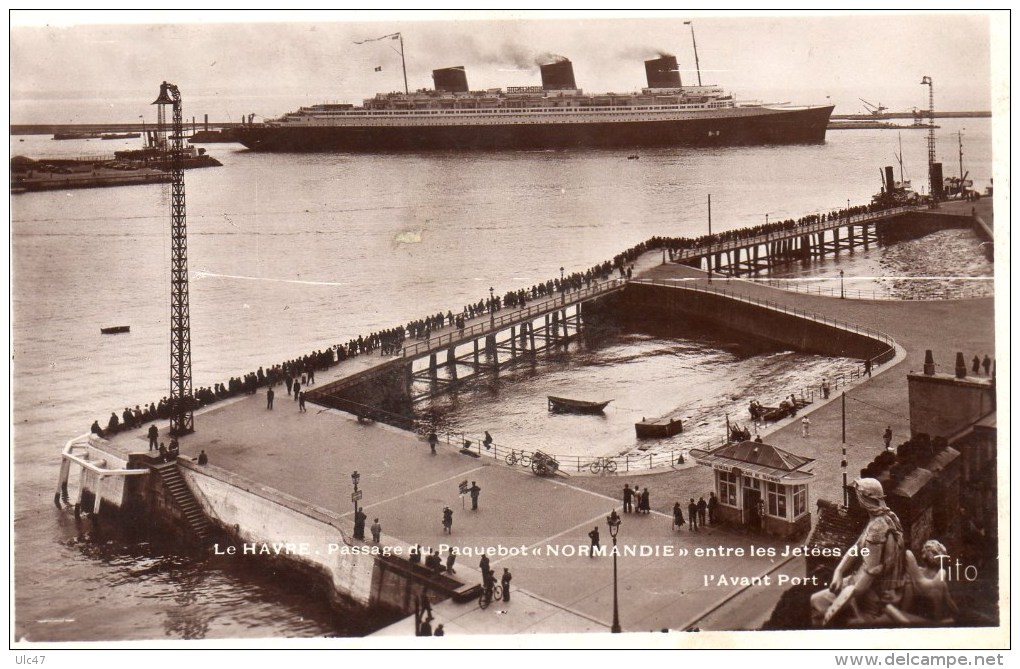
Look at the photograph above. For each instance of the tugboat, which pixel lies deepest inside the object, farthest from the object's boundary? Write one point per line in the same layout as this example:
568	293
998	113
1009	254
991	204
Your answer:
895	192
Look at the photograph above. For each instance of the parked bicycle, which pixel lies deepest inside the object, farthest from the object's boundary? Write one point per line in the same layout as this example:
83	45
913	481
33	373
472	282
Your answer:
497	595
607	465
514	458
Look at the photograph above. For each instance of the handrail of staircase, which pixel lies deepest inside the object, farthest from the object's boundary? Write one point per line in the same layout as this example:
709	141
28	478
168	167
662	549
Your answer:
76	443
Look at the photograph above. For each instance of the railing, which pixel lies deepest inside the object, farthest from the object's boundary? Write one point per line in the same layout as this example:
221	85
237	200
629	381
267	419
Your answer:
804	285
779	235
498	321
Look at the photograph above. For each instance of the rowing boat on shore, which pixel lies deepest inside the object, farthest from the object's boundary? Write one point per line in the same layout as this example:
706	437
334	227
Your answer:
566	405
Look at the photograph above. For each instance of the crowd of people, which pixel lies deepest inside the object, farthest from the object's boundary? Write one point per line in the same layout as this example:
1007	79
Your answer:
674	245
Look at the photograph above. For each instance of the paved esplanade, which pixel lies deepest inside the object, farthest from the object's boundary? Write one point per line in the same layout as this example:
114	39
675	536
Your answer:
311	455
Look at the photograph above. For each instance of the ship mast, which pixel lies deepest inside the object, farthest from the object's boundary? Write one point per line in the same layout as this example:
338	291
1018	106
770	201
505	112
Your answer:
403	64
697	65
959	137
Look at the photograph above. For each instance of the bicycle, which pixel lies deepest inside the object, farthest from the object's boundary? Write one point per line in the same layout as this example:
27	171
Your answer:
513	459
608	465
497	595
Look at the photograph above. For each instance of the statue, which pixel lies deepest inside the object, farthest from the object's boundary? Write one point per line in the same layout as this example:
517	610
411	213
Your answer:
879	582
871	573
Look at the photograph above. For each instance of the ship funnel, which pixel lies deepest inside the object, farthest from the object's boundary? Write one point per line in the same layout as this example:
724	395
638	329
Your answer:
663	72
889	183
558	76
164	95
451	79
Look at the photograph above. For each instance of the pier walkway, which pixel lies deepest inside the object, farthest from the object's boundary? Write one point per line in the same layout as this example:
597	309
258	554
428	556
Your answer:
311	456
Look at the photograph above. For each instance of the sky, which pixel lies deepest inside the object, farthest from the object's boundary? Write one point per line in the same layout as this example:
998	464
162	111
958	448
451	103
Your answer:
69	67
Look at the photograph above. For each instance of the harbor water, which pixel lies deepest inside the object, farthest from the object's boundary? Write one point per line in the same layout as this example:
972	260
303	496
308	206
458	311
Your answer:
293	253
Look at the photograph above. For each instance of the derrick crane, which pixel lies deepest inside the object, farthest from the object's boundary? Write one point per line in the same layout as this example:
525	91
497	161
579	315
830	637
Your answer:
874	110
933	187
182	419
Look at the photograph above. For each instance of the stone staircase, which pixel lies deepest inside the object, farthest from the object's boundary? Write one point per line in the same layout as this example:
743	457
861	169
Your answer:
184	500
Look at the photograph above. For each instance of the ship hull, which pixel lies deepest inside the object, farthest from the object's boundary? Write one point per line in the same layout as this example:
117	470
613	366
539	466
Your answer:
764	126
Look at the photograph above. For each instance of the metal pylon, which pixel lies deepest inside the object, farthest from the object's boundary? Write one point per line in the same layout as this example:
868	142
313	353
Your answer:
182	420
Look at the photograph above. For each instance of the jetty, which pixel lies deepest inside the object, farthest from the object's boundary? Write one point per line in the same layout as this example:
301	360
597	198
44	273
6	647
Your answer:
283	477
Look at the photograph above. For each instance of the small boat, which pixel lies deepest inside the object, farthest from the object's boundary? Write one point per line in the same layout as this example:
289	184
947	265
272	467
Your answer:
659	428
116	329
565	405
634	157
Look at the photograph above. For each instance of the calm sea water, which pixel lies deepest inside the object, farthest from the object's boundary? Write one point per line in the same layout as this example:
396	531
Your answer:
290	253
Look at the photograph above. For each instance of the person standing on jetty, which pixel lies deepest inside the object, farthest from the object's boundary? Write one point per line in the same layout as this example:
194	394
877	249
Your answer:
594	536
805	427
475	491
447	520
451	557
290	383
713	502
678	516
976	365
376	531
692	516
628	498
301	403
702	511
433	440
505	582
297	388
269	399
887	438
153	437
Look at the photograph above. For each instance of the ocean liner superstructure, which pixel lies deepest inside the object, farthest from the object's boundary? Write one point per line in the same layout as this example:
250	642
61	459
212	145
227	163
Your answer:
556	114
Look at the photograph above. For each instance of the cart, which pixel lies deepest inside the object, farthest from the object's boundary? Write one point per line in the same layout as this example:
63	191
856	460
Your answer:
543	464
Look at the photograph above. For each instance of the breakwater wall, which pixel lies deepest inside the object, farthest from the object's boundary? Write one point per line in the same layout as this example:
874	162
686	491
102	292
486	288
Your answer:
258	522
767	320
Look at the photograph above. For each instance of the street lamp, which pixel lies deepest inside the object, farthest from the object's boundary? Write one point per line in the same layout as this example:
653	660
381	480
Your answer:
359	532
563	289
492	306
842	293
613	520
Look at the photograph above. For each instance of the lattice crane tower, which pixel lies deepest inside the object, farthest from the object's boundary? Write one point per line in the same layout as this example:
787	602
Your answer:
931	134
182	420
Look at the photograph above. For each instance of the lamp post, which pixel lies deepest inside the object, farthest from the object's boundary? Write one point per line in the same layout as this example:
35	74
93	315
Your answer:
359	527
613	520
492	306
842	293
563	289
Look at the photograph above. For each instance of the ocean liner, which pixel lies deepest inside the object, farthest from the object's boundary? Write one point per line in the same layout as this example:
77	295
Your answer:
556	114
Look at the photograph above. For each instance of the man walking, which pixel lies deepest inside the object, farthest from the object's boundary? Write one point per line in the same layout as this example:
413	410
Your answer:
628	498
692	516
475	491
447	520
887	437
594	536
376	531
269	399
301	402
451	557
433	440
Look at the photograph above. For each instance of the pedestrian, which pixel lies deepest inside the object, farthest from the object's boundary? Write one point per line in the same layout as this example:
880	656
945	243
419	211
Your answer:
203	459
451	557
301	403
887	438
713	503
505	582
426	627
645	505
987	364
376	531
825	388
475	491
433	440
867	367
487	442
269	399
628	498
702	510
483	566
692	516
975	365
414	556
163	453
447	520
153	437
678	516
290	383
805	427
594	536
